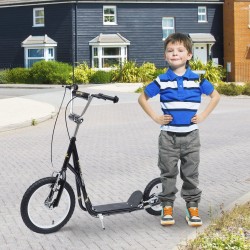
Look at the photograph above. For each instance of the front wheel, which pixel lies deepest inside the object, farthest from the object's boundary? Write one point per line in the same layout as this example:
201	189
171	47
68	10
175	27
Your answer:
150	193
37	210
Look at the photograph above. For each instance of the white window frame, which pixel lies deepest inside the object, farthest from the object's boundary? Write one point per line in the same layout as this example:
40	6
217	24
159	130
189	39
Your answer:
105	7
47	55
169	29
202	14
35	17
100	57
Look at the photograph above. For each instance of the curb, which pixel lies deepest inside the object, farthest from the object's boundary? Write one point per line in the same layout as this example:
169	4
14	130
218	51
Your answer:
19	112
26	123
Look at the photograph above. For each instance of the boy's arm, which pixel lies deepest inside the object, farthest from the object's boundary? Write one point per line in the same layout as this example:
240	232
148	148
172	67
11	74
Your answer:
160	119
215	97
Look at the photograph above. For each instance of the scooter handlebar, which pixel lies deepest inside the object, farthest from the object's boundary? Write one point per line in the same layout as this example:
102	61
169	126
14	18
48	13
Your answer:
85	96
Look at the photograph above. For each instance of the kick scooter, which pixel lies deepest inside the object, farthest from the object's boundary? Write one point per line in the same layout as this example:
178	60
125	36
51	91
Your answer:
49	203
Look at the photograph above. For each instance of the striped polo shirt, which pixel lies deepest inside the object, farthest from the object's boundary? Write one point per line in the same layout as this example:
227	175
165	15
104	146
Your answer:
180	97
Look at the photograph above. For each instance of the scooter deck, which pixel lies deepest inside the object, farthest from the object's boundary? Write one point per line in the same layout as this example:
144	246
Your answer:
131	205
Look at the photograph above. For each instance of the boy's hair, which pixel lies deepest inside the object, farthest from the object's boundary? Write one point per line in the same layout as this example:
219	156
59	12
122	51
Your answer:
179	38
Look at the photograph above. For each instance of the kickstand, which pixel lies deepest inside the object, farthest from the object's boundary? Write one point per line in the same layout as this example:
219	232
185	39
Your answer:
100	216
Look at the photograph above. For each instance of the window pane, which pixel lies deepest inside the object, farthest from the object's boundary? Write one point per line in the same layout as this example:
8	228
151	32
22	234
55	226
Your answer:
109	11
96	63
32	61
95	52
109	19
40	20
109	62
167	22
51	52
111	51
35	53
39	13
166	33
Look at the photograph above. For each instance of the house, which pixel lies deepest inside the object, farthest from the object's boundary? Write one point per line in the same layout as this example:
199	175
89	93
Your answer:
237	40
105	33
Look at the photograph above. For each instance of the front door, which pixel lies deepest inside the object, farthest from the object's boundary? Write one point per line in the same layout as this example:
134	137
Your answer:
200	52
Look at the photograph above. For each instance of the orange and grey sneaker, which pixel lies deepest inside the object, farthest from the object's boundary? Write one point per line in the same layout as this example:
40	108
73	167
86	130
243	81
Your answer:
167	216
192	217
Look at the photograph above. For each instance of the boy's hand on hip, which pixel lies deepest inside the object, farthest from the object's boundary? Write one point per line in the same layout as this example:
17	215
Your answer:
198	118
163	119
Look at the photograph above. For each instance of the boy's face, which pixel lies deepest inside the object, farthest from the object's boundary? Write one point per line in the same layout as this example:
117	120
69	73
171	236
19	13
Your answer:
177	55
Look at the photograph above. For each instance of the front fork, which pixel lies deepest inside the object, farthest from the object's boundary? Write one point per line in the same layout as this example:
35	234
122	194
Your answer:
58	186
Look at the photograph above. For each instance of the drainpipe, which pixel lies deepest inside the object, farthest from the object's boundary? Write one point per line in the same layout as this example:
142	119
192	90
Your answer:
76	32
75	39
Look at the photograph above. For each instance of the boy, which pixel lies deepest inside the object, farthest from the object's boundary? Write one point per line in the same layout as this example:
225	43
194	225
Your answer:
180	97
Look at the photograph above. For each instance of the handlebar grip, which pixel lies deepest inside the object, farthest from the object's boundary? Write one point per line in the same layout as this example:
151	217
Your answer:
85	95
80	94
74	86
114	99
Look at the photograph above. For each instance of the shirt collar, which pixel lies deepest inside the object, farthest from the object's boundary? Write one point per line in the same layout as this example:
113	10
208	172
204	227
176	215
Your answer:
189	75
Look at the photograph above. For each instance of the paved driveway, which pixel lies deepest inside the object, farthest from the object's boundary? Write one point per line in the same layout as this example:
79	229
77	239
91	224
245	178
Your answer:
118	149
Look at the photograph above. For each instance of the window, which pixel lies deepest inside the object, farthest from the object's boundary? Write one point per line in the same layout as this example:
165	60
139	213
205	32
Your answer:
109	15
33	55
37	48
167	26
202	14
38	17
107	57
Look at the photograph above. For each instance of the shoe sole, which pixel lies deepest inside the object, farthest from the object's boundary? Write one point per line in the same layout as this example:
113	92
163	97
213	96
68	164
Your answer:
167	223
193	224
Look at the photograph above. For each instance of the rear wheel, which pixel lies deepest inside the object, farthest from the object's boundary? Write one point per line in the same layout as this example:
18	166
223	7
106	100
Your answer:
151	191
37	209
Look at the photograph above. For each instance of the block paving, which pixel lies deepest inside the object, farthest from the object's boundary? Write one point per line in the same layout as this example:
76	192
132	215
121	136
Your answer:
117	144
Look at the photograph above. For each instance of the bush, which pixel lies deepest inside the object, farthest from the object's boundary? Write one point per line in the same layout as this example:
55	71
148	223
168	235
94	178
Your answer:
214	74
146	72
159	72
3	76
246	89
82	73
101	76
50	72
17	75
230	89
128	72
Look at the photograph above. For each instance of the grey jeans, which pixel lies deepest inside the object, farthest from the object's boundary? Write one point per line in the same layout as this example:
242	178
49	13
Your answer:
186	149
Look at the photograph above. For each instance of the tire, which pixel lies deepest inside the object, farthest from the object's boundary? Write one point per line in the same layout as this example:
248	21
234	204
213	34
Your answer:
40	218
152	189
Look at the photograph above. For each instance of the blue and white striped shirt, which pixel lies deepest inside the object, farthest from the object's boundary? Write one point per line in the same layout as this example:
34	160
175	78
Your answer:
180	97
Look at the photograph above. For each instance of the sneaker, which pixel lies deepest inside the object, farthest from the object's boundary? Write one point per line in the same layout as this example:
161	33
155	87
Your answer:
167	216
192	217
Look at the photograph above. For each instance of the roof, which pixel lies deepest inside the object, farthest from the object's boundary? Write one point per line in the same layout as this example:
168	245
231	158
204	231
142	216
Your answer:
202	37
38	40
106	39
8	3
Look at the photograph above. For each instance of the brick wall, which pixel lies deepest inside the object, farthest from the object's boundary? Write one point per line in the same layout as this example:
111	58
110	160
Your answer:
237	38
